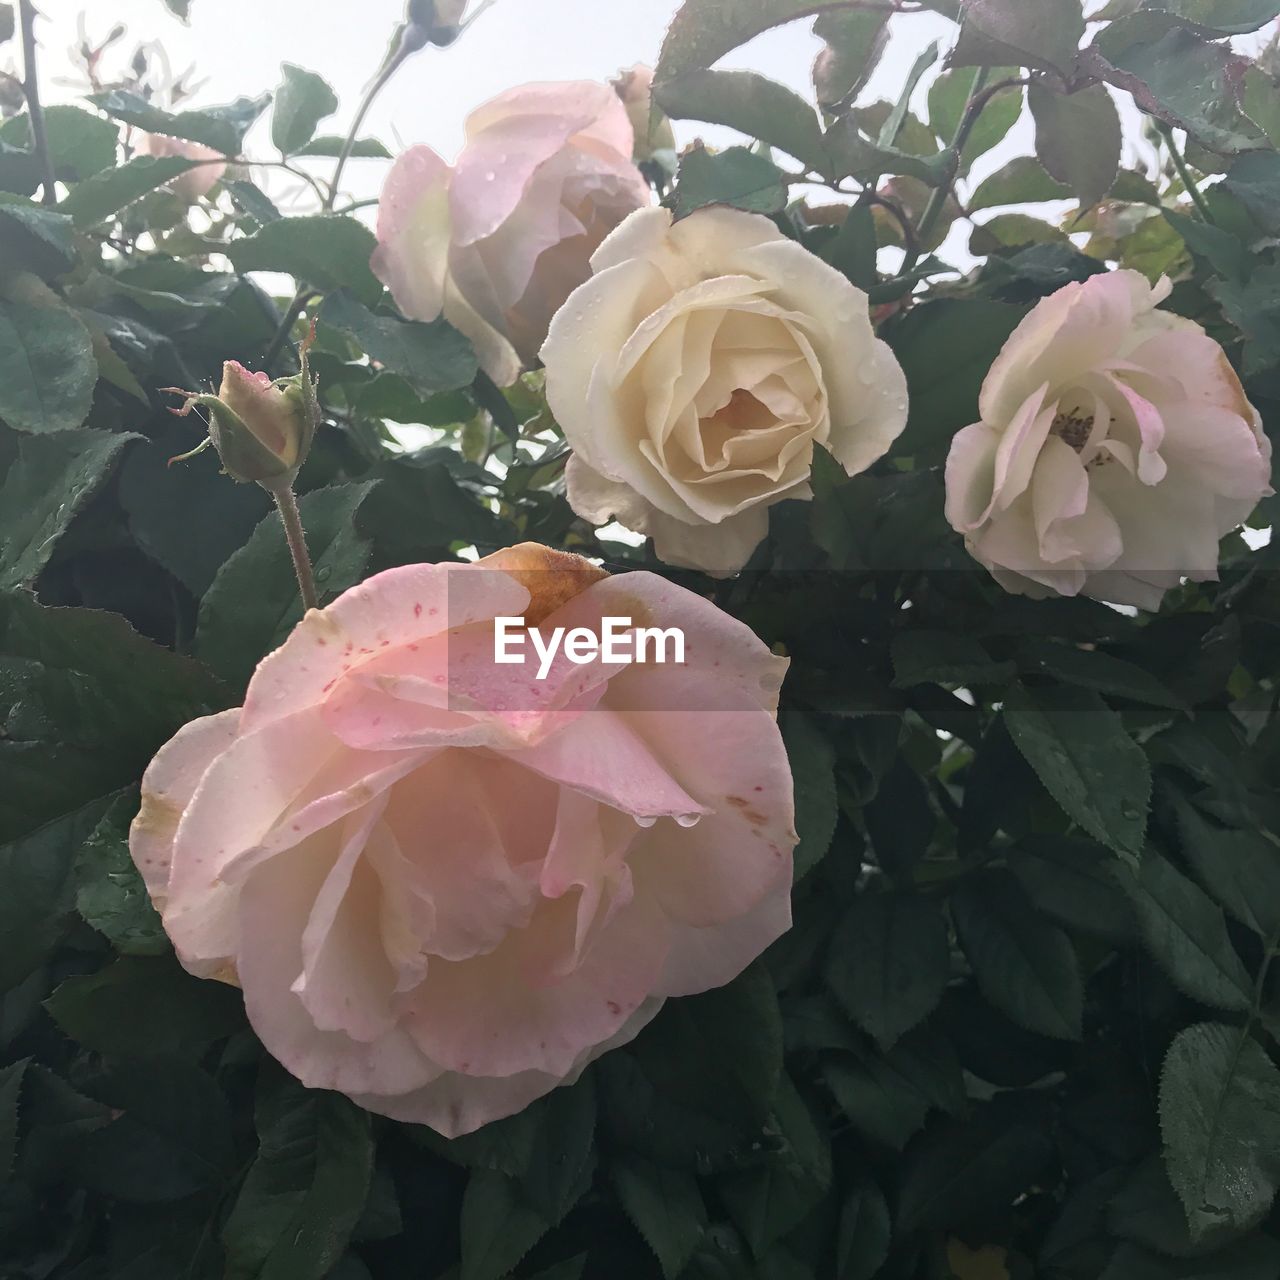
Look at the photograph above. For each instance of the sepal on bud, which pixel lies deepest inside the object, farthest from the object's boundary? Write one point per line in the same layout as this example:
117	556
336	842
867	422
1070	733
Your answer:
262	430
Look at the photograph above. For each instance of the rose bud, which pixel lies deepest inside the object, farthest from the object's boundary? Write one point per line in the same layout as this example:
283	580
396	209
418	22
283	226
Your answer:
261	429
651	127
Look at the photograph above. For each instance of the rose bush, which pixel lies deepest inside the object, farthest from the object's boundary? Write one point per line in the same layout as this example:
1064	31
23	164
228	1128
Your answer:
1115	450
388	888
697	370
445	886
497	241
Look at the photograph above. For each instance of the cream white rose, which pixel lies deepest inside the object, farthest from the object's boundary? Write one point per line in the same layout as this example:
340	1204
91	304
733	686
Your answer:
1116	448
696	370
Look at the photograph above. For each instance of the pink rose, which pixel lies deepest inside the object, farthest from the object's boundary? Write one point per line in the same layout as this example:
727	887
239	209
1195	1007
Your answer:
197	182
499	240
444	885
1116	448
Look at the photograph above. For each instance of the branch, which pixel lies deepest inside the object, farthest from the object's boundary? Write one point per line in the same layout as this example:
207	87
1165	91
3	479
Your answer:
979	95
31	87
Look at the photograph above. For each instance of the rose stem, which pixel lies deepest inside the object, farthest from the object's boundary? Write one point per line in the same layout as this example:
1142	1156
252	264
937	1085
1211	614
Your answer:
297	540
31	87
1180	164
395	58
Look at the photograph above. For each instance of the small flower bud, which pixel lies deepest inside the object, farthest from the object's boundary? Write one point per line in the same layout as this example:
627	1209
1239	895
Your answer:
261	429
652	129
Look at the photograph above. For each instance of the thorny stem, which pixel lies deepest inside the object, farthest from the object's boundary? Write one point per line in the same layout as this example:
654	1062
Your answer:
979	95
1188	181
391	64
297	540
402	49
31	87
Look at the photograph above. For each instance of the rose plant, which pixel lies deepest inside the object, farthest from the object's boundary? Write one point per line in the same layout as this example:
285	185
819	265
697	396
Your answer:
916	920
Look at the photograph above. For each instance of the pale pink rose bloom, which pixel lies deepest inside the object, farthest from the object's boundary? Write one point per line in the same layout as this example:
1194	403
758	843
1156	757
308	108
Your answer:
1116	448
698	369
498	240
196	183
444	886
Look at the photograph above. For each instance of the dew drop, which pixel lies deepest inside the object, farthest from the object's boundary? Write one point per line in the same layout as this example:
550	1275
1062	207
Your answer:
687	819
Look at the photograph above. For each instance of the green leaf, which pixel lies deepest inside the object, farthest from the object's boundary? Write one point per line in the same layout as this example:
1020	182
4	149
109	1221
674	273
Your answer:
302	101
1012	231
887	1096
326	251
812	758
852	250
963	1173
889	962
1220	1118
1254	1258
943	657
654	1102
35	238
52	477
1181	79
331	145
499	1226
251	199
1025	966
1253	306
1225	253
222	128
140	1006
253	603
1078	138
705	30
1241	869
80	144
767	1201
106	193
86	702
47	369
1094	669
997	32
1022	181
305	1190
752	104
856	155
171	1136
1187	935
1218	17
855	41
37	900
945	349
1260	99
179	9
1070	881
110	893
665	1206
1254	179
431	357
7	22
1081	752
862	1243
736	177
